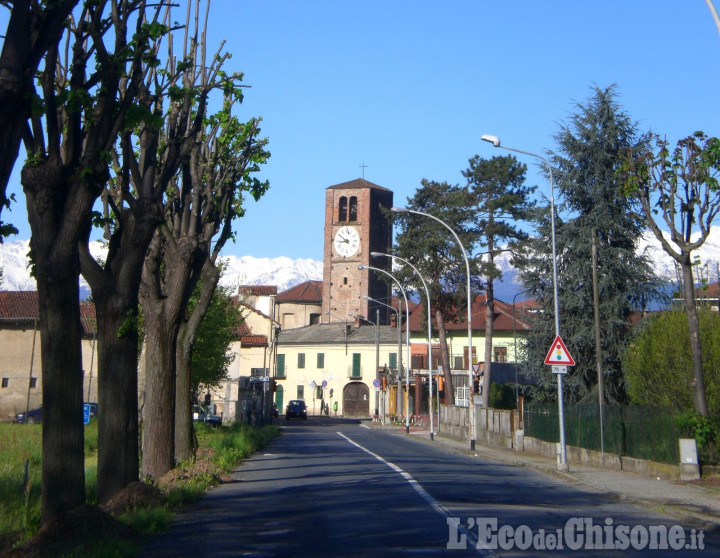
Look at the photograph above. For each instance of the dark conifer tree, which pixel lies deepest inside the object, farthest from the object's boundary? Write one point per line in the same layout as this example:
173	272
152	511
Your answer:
588	189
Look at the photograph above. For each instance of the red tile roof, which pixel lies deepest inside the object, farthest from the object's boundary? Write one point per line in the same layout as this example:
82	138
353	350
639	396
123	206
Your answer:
254	341
19	305
309	292
503	319
22	306
257	290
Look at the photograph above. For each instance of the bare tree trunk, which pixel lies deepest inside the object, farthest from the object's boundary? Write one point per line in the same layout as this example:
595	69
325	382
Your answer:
164	293
158	440
184	444
54	245
184	440
115	293
445	359
118	453
698	385
63	464
489	319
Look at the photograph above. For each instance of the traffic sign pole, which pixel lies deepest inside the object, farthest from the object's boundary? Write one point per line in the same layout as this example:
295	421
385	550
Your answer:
558	357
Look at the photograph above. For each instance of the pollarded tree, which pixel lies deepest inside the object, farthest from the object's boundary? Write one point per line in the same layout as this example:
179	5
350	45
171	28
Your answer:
432	249
159	134
33	28
86	89
585	169
501	201
203	203
681	188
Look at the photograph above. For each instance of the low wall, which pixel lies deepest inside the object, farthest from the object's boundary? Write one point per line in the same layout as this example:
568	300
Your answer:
454	422
500	428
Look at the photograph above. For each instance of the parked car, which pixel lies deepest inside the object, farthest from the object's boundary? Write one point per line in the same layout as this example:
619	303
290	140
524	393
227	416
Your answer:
93	410
274	410
296	409
30	417
201	415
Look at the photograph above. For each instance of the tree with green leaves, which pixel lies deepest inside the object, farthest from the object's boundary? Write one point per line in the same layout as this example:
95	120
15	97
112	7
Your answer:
585	167
679	189
219	327
161	128
658	362
203	202
501	202
432	249
85	90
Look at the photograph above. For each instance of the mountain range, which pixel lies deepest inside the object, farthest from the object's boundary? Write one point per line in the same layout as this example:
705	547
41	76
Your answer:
285	272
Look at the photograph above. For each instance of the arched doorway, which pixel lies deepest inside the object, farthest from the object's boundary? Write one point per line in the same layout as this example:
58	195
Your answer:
356	400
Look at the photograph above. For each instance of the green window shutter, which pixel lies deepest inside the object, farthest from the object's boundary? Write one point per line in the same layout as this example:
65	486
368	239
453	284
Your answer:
301	360
356	370
321	360
281	366
393	360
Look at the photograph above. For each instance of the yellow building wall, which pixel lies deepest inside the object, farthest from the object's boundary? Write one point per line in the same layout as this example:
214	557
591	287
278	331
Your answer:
336	372
18	363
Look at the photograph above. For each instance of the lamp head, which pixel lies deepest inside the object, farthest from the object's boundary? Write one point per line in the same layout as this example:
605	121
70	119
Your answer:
492	139
377	254
362	266
398	209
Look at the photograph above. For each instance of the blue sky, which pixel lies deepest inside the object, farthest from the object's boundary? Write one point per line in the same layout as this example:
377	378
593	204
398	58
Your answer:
408	87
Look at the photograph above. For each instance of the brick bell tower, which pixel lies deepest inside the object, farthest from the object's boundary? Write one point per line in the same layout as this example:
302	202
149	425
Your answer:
354	227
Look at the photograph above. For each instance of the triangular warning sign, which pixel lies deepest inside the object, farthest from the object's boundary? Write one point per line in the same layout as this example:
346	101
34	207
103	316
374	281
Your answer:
558	354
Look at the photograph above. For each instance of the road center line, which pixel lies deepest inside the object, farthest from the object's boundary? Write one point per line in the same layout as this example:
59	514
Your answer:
437	506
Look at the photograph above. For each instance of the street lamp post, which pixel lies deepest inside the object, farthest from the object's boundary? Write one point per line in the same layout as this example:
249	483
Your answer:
407	343
471	403
429	333
563	466
398	326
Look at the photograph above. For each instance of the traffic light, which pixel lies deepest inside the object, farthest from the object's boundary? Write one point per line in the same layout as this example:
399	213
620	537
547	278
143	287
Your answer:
384	383
440	383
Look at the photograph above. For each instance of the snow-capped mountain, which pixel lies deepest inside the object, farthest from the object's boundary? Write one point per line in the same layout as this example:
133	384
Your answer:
246	270
286	272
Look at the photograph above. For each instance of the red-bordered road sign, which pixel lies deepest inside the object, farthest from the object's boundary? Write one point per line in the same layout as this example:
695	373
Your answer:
558	354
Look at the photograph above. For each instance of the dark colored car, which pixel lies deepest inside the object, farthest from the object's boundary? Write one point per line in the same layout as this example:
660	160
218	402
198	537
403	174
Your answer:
296	409
93	410
30	417
201	415
274	410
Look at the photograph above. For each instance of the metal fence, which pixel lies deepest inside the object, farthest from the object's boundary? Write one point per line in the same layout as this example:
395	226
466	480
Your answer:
642	432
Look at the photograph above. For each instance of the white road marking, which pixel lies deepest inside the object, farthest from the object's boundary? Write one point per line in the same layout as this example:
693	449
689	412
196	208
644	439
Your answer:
437	506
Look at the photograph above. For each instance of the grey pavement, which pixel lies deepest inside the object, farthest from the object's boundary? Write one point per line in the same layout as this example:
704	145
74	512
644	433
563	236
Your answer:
695	505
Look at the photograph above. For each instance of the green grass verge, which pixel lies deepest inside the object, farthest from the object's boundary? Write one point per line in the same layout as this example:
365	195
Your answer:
20	485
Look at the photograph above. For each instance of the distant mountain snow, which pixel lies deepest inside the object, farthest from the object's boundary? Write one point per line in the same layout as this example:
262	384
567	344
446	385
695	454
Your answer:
285	272
246	270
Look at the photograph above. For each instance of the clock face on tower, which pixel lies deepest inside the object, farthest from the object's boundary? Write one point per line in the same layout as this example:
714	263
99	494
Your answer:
347	241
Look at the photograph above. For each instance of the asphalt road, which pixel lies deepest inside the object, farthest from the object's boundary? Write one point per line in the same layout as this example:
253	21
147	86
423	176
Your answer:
332	487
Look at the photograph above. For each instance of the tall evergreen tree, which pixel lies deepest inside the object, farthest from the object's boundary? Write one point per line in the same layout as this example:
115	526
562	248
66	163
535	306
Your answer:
501	201
431	248
585	169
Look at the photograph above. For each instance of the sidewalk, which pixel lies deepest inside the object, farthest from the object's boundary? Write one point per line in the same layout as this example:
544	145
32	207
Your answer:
694	504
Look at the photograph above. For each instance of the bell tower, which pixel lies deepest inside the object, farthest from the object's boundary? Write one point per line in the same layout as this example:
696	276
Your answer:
355	226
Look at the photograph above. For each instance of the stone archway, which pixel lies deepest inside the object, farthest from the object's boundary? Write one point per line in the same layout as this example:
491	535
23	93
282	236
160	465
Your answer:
356	400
